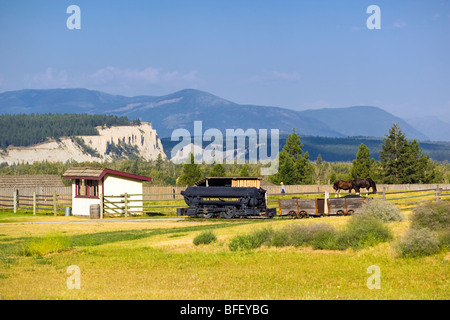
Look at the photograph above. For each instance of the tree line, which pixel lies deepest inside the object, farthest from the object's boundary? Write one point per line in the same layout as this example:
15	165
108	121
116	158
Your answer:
23	130
401	161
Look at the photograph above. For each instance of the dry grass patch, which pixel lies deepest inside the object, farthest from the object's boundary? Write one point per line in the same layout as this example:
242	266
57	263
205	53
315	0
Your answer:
158	260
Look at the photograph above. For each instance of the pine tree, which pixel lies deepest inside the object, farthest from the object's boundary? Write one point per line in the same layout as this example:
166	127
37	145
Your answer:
363	164
294	165
191	173
401	161
320	168
244	171
217	171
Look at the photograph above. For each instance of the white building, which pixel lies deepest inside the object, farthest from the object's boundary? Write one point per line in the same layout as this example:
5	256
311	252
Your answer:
89	183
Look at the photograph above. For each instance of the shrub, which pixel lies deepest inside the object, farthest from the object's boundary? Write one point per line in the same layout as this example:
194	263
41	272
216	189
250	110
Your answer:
444	239
263	235
279	239
363	231
322	236
244	242
205	237
41	246
297	235
435	216
383	210
418	242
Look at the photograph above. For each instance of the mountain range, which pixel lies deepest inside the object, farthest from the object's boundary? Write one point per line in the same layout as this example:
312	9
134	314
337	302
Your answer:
182	108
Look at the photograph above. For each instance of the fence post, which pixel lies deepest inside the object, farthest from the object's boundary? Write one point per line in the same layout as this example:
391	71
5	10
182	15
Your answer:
101	206
126	204
34	203
384	193
325	205
15	201
55	209
438	194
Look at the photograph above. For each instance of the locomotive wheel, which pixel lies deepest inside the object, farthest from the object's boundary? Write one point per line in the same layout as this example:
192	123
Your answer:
340	213
350	212
229	213
302	214
208	215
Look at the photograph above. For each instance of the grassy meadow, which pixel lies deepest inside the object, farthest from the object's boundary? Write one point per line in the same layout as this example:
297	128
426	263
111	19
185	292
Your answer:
127	259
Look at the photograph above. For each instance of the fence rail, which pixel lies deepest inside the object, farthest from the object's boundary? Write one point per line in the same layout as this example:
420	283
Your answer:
136	204
163	200
53	202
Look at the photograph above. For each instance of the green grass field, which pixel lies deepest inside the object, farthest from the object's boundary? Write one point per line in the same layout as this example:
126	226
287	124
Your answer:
126	259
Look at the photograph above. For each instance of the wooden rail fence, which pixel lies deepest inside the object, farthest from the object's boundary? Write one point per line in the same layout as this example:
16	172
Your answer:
163	200
49	202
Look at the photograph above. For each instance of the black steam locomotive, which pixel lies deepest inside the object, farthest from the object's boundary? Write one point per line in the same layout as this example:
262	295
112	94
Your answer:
225	202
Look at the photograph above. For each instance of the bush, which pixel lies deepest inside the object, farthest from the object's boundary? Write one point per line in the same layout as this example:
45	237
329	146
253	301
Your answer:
322	236
263	235
363	231
244	242
297	235
383	210
435	216
205	237
444	239
418	242
41	246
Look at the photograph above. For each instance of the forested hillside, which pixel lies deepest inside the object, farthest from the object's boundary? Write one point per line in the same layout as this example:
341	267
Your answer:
29	129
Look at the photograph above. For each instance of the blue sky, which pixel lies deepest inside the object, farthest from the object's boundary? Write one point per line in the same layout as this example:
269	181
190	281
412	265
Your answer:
290	53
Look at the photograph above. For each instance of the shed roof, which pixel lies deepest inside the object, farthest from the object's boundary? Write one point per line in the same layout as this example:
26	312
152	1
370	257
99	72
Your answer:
98	174
27	181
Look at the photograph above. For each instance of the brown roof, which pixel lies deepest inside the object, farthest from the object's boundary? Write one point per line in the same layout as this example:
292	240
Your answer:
83	172
25	181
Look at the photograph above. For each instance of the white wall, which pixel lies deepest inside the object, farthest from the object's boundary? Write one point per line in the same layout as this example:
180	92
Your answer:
115	186
81	206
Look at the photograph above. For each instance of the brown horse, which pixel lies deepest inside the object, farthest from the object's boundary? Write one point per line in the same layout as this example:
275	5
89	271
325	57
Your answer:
345	185
366	183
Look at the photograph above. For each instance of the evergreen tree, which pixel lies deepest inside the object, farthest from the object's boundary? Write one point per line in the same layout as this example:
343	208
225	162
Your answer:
159	162
294	165
401	161
217	171
191	173
363	164
244	171
320	168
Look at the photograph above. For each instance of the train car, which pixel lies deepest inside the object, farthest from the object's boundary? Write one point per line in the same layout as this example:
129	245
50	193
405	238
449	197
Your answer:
305	208
225	202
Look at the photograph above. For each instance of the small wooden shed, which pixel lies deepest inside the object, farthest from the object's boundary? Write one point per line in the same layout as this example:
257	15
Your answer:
89	183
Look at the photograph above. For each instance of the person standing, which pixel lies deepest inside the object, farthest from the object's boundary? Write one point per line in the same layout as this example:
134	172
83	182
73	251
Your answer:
282	188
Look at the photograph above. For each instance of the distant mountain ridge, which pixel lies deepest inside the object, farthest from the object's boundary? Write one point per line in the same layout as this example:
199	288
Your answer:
182	108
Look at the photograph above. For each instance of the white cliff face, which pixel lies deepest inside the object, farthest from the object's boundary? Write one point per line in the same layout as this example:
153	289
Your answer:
140	138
